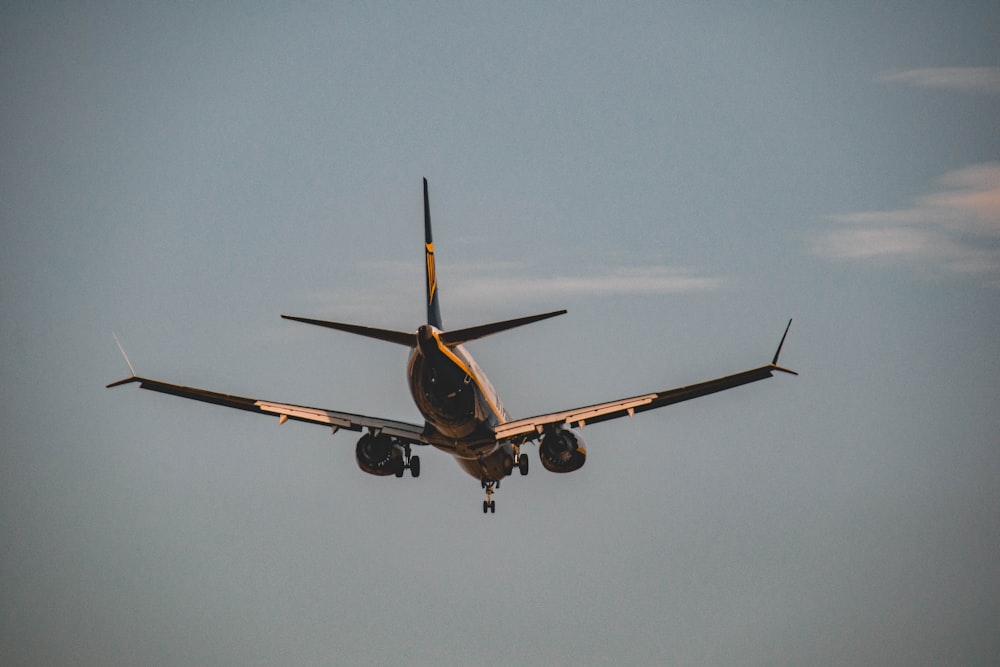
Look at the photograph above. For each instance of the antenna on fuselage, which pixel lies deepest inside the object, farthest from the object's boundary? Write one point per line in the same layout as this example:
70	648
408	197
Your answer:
433	310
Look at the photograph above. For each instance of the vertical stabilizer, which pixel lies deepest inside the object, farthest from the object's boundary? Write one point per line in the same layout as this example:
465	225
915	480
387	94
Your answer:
433	311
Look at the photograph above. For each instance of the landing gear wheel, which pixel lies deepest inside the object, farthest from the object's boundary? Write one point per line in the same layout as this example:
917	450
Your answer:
486	506
400	469
415	466
508	464
522	464
493	506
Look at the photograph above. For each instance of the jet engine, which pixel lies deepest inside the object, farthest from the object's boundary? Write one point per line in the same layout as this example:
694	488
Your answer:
562	451
379	455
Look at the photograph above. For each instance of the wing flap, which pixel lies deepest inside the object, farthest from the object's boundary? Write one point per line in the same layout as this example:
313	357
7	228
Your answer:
412	433
528	429
531	427
351	422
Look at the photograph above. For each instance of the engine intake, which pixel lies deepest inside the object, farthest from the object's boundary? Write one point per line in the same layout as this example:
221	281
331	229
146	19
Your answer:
379	455
562	451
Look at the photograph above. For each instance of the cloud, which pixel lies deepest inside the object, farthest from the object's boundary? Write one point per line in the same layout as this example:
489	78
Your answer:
499	278
501	281
620	281
959	79
955	228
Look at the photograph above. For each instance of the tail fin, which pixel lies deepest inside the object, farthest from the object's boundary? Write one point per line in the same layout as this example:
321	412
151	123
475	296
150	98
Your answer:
433	310
409	339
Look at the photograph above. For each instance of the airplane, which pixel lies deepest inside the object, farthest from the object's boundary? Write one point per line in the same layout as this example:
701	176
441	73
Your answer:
463	414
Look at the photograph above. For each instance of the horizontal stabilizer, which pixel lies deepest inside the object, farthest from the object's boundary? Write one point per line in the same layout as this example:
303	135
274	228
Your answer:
472	333
407	338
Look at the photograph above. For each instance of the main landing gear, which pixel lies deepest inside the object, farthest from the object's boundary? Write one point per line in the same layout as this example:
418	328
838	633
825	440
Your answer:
409	462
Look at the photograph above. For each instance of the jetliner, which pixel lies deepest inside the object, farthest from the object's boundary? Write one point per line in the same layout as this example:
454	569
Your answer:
462	411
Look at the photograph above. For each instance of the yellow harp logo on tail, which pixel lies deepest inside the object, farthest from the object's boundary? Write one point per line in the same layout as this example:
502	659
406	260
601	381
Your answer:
431	273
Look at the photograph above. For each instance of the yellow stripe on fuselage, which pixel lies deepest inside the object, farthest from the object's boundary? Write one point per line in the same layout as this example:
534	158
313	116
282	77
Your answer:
487	390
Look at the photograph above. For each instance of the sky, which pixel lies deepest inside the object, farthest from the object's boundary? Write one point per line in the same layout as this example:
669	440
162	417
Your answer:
682	177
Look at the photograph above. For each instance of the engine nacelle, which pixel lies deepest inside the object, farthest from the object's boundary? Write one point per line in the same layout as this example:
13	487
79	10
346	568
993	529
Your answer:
562	451
379	455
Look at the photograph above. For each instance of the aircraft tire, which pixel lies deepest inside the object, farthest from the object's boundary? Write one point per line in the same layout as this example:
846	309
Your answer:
415	466
493	506
486	507
522	464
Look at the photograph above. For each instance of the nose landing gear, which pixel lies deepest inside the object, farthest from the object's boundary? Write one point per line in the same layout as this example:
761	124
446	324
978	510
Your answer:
489	505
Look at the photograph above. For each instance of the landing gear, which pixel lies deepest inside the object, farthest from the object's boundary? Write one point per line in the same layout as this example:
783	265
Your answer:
489	505
520	460
410	462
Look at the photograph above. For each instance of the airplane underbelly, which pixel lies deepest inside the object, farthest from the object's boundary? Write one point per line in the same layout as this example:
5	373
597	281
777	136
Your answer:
492	467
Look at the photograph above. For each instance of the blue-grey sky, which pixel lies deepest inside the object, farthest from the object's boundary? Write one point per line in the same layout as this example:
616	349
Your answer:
683	178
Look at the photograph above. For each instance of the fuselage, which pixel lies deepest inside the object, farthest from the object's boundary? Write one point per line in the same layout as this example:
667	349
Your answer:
459	403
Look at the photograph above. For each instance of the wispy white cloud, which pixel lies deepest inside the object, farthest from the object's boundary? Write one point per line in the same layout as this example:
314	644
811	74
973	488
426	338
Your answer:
499	282
631	281
956	227
959	79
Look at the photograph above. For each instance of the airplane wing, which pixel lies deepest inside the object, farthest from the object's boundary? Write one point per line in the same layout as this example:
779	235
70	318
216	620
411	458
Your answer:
411	433
522	430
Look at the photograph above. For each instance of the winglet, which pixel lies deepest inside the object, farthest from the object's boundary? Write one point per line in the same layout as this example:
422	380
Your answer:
131	368
122	350
777	353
